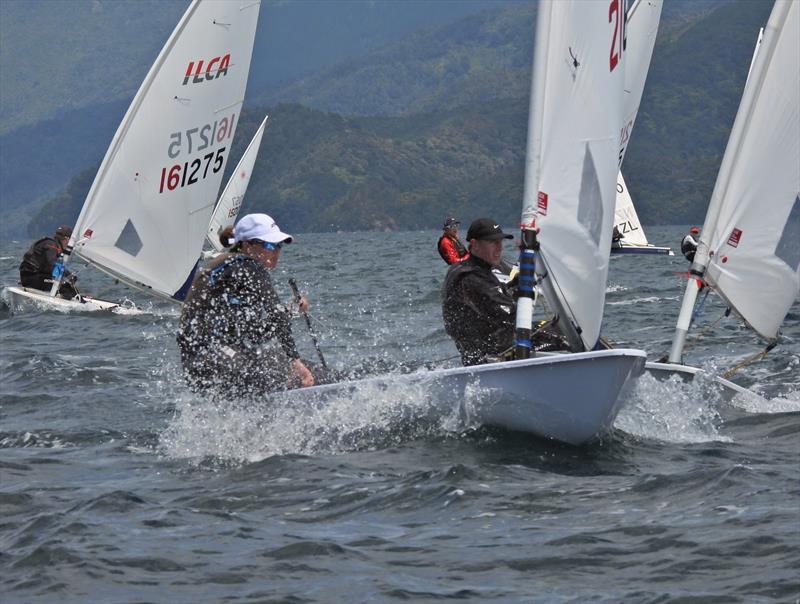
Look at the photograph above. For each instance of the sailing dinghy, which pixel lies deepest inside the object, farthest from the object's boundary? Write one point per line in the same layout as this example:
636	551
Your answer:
626	220
146	214
230	202
749	250
575	120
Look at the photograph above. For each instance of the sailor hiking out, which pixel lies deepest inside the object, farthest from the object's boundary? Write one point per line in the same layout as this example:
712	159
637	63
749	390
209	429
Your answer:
235	334
36	268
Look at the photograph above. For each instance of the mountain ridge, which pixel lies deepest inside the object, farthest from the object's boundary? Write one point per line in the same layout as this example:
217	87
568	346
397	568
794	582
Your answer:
421	188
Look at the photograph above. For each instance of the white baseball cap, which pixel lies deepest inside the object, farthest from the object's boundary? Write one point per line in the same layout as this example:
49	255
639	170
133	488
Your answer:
261	227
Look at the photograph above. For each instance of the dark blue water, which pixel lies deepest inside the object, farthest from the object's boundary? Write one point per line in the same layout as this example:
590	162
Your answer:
118	485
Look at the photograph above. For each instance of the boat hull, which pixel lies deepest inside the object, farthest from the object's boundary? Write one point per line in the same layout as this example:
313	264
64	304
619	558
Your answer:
641	249
687	373
25	298
572	398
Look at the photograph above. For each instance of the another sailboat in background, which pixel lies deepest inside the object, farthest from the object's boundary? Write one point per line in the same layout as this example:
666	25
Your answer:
573	134
146	214
749	250
627	224
230	202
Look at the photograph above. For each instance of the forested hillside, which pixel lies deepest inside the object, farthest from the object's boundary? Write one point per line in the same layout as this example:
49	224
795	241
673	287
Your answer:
456	143
689	104
69	68
320	171
62	55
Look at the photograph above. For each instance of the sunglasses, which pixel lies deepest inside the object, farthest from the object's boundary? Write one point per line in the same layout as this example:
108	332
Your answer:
269	246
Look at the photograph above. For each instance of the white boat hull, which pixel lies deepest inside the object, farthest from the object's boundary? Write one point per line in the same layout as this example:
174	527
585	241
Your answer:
632	248
25	298
573	398
664	371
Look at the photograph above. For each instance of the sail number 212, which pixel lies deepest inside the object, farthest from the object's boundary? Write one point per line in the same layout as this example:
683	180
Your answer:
616	15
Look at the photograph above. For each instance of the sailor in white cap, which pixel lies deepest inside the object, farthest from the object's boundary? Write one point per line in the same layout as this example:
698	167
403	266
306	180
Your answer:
232	319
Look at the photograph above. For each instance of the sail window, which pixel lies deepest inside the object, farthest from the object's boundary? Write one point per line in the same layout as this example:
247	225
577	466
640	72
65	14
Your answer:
788	248
590	201
128	240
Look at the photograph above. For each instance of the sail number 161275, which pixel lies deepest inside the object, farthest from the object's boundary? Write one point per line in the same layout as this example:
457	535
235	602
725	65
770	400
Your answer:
189	172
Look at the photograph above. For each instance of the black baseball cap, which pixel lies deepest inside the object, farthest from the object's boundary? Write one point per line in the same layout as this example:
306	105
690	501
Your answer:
486	228
64	231
448	222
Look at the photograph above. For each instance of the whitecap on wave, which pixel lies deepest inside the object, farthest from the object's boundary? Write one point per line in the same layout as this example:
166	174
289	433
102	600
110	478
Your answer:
635	301
371	414
781	404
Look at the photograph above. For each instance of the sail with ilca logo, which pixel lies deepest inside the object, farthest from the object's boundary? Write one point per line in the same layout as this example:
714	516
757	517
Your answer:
145	217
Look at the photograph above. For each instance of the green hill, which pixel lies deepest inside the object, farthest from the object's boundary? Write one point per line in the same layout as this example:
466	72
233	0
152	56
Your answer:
61	55
57	56
322	171
693	91
69	68
478	58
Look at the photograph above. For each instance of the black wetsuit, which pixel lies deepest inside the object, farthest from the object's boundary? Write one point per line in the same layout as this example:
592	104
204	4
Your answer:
689	247
231	316
36	268
479	311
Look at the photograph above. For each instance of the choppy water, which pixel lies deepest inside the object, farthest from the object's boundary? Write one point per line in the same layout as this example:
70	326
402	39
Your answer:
117	485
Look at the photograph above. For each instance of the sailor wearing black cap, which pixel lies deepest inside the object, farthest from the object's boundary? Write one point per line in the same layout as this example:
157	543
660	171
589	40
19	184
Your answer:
450	247
478	310
36	268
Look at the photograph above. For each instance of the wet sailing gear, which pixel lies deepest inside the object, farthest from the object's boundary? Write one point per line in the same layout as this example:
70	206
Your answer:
36	268
478	311
229	328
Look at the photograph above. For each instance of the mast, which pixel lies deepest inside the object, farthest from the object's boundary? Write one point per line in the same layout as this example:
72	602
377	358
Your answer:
529	244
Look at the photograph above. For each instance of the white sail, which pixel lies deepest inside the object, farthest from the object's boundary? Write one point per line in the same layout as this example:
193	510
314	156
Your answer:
573	146
231	199
641	31
749	248
640	39
625	217
145	217
753	225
